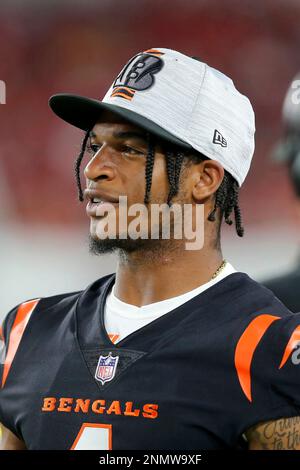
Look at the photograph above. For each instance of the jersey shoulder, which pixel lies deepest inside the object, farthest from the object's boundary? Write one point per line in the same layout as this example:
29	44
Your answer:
241	294
21	313
265	339
55	307
34	319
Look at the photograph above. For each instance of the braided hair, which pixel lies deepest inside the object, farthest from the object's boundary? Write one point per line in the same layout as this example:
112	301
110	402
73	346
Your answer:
149	167
226	197
78	164
174	162
227	200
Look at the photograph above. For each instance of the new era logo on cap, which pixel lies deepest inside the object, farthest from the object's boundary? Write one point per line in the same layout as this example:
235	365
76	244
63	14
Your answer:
219	139
180	99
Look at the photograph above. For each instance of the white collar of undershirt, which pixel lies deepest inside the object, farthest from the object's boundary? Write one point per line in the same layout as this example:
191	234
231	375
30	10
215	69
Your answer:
158	308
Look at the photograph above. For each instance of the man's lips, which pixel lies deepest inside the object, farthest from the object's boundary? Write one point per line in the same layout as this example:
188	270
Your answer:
99	203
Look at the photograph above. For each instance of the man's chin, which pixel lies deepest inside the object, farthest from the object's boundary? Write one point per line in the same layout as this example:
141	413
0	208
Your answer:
100	247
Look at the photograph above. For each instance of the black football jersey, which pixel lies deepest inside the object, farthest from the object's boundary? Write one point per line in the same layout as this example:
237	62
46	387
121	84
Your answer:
196	378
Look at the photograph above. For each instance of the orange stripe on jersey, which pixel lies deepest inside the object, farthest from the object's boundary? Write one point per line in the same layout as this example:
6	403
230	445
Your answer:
23	315
293	341
113	337
245	349
1	334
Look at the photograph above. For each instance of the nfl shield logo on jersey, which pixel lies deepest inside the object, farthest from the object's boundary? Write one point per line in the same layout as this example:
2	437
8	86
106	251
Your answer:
106	368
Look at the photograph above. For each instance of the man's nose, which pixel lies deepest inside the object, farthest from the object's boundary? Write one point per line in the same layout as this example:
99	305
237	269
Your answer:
100	167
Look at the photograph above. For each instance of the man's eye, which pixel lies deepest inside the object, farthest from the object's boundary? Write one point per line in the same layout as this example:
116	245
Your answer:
131	150
93	148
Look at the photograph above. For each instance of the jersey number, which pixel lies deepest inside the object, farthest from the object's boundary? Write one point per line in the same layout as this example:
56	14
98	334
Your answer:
93	436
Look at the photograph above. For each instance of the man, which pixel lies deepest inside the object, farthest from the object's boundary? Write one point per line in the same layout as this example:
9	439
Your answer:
286	286
177	350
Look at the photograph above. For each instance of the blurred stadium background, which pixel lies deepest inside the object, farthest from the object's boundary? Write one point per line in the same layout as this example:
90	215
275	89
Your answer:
74	46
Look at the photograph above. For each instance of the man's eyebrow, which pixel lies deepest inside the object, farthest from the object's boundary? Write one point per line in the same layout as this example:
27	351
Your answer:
130	135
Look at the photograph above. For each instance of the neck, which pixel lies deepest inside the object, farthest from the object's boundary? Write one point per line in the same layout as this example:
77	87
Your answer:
142	279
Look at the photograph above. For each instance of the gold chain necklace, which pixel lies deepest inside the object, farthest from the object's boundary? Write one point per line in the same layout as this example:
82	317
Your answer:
220	268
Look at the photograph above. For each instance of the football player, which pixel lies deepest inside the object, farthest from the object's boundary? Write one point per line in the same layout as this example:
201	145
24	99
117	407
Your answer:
177	349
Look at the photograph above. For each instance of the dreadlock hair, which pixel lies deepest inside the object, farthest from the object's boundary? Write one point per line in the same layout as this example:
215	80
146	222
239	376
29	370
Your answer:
226	197
78	164
227	200
174	162
149	167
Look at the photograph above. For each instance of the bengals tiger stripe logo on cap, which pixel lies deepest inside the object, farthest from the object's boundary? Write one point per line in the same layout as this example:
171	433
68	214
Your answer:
138	74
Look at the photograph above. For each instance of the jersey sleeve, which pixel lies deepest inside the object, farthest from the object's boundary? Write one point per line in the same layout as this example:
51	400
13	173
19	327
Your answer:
269	374
5	329
285	349
12	332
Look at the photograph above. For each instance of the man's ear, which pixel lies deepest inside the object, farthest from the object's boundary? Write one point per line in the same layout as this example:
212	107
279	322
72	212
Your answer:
206	178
